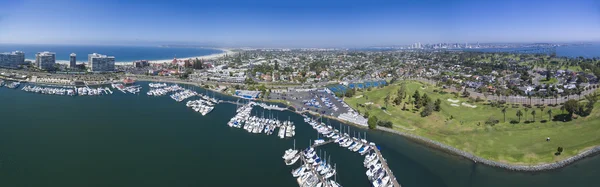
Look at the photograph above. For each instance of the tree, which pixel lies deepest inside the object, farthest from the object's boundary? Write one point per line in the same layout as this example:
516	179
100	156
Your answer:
519	114
425	100
427	110
571	106
387	100
466	93
559	150
549	114
437	105
416	96
526	110
372	122
504	112
398	100
533	114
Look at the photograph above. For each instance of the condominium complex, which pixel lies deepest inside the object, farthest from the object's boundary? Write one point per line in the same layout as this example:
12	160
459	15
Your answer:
12	59
73	60
101	63
45	60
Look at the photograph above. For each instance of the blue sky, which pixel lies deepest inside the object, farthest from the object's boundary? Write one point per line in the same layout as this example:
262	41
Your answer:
307	23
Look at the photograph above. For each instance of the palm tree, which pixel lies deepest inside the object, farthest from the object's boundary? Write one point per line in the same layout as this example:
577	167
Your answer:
533	114
526	109
549	114
504	112
519	114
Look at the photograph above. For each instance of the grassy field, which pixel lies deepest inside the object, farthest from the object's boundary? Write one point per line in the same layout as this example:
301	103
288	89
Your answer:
552	80
464	127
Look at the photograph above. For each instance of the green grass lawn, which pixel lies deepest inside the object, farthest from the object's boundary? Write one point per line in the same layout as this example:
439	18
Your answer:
551	81
522	143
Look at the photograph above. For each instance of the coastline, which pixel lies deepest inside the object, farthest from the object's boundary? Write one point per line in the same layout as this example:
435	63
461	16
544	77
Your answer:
223	53
476	159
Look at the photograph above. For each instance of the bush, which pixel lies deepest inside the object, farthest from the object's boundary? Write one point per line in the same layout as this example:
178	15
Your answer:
491	121
387	124
514	121
372	122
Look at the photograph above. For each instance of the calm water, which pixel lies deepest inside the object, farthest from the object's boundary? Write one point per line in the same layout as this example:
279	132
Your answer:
121	53
136	140
587	51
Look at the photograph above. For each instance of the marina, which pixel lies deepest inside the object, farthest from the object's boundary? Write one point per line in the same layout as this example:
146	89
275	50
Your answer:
178	145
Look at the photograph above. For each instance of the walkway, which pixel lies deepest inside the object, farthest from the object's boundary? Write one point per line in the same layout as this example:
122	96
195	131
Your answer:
385	166
312	169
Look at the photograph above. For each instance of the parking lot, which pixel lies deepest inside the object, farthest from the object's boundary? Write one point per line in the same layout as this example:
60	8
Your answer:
316	101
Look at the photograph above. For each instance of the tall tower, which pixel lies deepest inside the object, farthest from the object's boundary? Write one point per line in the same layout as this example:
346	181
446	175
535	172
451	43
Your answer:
73	60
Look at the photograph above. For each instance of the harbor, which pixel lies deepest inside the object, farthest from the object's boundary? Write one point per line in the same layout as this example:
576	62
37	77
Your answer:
170	140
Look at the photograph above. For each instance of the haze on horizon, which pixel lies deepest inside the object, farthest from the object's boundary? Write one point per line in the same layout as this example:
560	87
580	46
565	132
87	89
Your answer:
308	23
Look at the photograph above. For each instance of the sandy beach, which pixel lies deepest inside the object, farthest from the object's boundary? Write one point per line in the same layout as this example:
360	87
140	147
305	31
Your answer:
205	57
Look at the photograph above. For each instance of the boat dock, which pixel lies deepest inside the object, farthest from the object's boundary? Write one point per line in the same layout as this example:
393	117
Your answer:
313	170
385	166
317	145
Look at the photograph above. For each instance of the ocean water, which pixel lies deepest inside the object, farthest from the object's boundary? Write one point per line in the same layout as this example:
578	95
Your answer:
587	51
121	53
136	140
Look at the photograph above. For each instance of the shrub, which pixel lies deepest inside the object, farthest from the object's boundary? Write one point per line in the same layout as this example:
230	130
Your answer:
491	121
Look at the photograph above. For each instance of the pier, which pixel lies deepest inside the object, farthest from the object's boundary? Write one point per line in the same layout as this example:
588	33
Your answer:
313	170
317	145
385	166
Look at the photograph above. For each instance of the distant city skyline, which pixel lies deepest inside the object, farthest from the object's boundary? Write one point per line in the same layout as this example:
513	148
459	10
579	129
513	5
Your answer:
311	23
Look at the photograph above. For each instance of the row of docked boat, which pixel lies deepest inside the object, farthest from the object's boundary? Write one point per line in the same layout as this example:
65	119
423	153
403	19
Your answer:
93	91
255	124
202	106
48	90
157	85
375	171
180	96
164	90
133	89
271	107
314	172
242	113
12	85
353	144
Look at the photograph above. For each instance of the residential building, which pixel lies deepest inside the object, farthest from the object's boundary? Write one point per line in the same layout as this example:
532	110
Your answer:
72	60
101	63
12	59
45	60
141	64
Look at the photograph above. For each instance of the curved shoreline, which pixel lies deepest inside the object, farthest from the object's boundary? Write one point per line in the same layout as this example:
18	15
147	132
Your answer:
512	167
476	159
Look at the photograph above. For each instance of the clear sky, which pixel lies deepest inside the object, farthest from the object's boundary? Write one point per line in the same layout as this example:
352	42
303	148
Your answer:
291	23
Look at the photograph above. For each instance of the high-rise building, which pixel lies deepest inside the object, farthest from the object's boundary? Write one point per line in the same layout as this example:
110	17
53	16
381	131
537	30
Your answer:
45	60
73	60
12	59
101	63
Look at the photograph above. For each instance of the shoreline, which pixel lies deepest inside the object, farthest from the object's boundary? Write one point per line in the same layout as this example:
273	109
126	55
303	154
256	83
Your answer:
463	154
224	52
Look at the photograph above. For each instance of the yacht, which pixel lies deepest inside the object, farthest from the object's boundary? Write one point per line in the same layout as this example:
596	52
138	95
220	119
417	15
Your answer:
293	160
298	172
